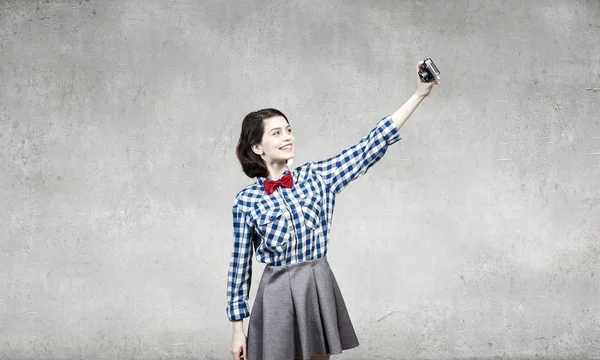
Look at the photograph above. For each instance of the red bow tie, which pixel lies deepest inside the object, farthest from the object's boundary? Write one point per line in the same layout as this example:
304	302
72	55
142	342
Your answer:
285	181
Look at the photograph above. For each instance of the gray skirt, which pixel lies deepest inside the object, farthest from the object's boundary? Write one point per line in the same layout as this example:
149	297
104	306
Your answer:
298	312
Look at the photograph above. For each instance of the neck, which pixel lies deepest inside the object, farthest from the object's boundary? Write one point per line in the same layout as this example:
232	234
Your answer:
276	170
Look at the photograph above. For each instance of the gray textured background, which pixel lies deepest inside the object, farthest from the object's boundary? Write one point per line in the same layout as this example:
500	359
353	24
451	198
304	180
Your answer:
477	236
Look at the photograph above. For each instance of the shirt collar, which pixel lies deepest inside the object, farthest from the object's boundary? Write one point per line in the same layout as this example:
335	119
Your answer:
260	180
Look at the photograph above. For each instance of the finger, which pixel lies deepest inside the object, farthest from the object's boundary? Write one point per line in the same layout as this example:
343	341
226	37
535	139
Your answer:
244	356
236	354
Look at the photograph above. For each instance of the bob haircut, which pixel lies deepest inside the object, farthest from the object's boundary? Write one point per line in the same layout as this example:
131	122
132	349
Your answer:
252	132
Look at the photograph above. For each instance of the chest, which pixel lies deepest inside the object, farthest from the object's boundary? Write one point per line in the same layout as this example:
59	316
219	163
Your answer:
297	209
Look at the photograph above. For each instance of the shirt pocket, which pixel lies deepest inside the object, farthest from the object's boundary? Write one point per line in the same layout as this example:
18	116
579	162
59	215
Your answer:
312	208
272	225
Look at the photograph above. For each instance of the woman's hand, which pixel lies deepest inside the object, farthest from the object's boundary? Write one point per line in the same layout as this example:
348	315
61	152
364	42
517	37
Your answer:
238	346
423	89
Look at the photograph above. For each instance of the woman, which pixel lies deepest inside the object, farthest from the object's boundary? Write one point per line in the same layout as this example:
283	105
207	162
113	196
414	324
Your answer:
299	311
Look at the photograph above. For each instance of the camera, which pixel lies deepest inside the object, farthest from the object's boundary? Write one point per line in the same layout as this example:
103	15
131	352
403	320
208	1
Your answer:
428	72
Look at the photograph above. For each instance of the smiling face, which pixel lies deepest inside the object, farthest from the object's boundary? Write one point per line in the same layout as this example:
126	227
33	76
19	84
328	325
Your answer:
277	145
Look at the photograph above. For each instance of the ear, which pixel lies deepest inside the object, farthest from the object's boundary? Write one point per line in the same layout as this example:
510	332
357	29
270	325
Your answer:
257	149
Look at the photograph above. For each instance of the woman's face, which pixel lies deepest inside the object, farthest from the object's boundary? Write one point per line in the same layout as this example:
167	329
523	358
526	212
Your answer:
277	143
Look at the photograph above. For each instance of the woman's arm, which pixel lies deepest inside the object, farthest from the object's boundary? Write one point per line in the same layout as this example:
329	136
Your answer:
239	281
238	326
340	170
239	276
406	110
423	89
238	341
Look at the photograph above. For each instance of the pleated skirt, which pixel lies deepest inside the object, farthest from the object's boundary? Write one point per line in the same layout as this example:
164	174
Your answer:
298	312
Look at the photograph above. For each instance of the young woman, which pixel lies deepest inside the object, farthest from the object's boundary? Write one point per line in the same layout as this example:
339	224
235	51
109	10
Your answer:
284	217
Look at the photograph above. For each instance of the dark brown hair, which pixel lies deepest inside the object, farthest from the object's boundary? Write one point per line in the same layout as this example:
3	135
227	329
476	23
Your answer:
252	133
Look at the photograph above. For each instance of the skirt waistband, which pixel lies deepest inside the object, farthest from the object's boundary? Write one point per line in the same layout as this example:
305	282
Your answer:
309	263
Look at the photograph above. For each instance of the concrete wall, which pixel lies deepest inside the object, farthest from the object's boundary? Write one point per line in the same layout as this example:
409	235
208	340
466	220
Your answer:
477	236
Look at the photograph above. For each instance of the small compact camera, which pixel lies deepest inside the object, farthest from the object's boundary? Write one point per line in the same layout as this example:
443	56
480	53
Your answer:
428	71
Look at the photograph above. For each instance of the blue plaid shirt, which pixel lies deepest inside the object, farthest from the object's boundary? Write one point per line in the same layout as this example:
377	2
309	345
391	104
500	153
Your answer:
292	225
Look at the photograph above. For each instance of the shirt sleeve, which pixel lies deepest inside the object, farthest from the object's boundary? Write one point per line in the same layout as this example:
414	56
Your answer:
338	171
240	267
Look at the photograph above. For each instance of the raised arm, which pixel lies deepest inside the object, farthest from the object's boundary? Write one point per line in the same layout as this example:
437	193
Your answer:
338	171
406	110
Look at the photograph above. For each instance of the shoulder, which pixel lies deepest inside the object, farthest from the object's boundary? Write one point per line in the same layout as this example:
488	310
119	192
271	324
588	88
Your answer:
302	171
245	197
309	178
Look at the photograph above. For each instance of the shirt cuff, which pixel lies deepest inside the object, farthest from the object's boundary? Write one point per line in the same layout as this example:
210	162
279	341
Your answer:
238	313
388	130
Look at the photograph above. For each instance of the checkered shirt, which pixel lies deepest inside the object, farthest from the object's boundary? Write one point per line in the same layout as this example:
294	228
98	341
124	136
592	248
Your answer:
292	225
